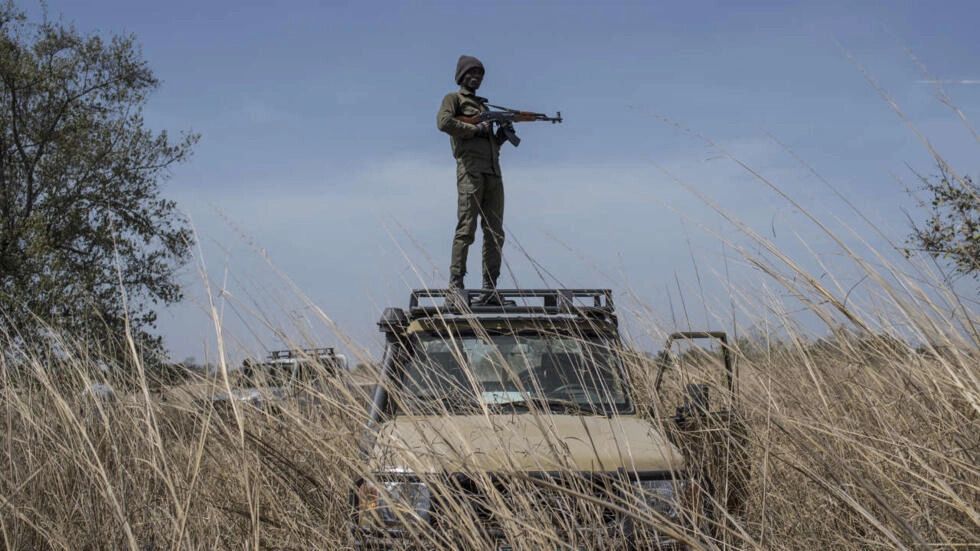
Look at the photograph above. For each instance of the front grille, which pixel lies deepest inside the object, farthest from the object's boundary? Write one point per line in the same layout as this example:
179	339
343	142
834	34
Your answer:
550	507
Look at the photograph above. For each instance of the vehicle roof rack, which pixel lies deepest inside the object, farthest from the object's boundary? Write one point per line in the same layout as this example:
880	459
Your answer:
589	303
297	353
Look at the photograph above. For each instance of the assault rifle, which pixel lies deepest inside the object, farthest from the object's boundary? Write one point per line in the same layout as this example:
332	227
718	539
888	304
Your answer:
505	116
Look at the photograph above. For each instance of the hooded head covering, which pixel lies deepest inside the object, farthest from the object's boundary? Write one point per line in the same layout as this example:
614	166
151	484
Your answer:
465	63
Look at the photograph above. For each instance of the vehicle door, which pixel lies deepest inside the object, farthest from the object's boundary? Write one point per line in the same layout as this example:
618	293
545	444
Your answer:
696	387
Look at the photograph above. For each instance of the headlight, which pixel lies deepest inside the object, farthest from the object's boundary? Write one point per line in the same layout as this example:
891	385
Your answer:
663	495
394	503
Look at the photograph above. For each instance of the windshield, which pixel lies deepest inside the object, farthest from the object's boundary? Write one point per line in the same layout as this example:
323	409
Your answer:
549	372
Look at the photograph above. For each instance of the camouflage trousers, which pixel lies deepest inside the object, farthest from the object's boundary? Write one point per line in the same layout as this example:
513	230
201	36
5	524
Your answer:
479	196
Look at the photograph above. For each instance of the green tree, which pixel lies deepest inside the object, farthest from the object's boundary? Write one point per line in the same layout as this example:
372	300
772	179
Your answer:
952	231
87	242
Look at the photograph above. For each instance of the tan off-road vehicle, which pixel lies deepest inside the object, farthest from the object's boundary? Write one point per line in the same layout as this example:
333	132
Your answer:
297	375
294	376
518	427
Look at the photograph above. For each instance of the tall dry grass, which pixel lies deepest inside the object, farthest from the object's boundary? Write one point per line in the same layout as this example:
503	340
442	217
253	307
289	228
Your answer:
856	440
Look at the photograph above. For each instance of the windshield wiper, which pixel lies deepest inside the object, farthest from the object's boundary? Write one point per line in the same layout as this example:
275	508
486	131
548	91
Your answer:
552	404
447	400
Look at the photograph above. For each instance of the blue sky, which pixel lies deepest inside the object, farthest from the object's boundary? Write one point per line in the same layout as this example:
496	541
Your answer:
319	154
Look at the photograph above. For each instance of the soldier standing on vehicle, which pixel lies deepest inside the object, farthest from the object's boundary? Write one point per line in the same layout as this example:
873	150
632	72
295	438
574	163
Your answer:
479	185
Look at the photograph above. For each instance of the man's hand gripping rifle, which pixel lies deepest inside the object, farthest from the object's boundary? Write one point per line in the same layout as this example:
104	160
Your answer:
505	117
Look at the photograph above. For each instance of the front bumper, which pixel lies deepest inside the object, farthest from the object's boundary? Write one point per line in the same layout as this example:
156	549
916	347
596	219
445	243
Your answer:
570	523
367	540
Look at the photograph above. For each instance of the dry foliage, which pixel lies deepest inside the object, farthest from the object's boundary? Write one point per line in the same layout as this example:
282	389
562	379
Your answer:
853	442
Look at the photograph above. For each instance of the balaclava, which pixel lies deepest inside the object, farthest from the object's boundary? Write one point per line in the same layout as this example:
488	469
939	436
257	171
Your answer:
465	63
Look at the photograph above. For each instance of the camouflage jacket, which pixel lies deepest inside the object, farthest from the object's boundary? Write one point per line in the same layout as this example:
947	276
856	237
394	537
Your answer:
474	154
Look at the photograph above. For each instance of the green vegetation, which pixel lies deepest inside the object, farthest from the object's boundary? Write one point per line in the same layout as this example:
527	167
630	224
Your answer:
952	231
88	246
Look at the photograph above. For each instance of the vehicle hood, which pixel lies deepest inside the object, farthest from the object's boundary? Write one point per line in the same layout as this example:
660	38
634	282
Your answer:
522	443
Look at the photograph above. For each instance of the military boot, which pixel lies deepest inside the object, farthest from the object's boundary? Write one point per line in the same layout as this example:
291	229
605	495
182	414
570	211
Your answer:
490	297
455	299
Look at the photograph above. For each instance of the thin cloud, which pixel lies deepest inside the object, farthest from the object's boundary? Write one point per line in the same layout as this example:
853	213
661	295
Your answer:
966	81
